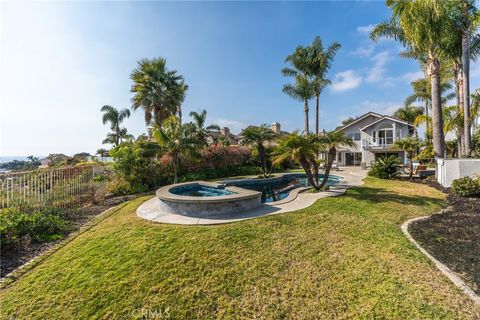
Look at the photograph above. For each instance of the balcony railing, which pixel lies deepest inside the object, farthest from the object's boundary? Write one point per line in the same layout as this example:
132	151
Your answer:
379	143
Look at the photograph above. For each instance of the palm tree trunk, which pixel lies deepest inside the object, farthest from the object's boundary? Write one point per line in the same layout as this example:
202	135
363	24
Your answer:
427	126
317	110
437	117
410	160
306	167
466	91
332	152
306	117
457	70
262	156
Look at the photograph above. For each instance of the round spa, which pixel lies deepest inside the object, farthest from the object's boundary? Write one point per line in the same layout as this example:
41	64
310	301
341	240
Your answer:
203	199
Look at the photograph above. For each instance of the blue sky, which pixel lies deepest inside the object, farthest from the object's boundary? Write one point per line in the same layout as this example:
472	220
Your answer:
60	62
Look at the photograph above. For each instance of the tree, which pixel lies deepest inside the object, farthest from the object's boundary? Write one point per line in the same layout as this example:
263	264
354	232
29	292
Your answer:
115	117
257	137
408	145
409	114
176	140
102	152
117	138
201	131
302	90
301	149
424	28
158	91
320	61
330	143
422	93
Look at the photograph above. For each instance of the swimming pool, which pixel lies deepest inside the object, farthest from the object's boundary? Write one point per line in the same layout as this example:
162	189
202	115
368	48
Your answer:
277	189
198	190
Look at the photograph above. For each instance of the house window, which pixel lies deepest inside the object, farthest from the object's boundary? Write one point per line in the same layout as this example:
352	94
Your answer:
354	136
399	134
374	136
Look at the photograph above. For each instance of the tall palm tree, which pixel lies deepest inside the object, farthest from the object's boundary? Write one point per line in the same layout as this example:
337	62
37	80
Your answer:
422	27
158	91
199	119
320	61
257	137
409	114
408	145
176	140
301	90
422	93
115	117
102	152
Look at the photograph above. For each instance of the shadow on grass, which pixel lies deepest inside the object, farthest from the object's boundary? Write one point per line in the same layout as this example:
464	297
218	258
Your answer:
379	195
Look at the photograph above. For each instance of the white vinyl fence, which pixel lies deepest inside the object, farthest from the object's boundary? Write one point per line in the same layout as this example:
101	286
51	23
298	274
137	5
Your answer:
65	187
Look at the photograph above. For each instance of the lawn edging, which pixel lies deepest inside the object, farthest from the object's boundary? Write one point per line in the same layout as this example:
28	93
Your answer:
31	264
440	266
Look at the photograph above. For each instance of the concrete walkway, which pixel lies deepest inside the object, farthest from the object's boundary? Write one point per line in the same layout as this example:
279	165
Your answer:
352	177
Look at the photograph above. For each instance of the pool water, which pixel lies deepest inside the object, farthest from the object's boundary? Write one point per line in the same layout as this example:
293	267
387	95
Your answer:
200	191
279	190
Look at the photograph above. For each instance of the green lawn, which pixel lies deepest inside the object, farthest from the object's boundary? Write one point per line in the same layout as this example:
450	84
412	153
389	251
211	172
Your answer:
342	258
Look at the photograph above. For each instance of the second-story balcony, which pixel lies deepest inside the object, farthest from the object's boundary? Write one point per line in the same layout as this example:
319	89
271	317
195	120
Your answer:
379	143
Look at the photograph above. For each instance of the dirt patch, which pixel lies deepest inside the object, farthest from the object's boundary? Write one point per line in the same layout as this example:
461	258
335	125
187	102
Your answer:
453	236
12	259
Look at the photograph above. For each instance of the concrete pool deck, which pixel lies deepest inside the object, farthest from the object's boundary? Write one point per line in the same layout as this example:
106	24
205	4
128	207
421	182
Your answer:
352	176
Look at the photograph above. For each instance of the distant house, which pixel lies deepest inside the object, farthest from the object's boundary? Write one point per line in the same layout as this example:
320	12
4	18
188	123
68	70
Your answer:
213	136
276	127
374	135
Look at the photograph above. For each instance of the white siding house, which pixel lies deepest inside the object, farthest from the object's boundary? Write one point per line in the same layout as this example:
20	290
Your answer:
374	135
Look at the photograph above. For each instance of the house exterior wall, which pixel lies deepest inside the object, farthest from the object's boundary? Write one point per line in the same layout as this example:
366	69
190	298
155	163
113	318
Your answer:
366	145
449	170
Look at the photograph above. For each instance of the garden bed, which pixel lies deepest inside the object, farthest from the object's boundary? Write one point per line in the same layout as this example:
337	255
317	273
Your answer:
453	236
12	259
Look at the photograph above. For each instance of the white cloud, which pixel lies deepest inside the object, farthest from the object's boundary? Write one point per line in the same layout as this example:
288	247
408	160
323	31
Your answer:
382	107
411	76
346	80
376	73
366	29
234	125
364	51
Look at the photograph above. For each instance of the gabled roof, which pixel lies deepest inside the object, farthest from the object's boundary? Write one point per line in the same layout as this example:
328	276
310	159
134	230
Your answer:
360	118
386	118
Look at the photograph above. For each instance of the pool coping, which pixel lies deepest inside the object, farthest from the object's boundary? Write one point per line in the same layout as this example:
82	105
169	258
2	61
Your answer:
165	194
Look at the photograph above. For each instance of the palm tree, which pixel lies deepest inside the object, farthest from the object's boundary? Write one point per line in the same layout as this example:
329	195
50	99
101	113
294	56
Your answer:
115	117
302	90
330	142
408	145
301	149
118	138
257	137
102	152
320	61
409	114
422	27
422	93
176	140
201	131
158	91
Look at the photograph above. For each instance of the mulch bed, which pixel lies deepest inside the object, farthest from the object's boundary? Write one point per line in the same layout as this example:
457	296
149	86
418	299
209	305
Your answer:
453	236
12	259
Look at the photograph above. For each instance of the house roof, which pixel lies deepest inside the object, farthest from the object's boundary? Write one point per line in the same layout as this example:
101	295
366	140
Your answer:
360	118
387	118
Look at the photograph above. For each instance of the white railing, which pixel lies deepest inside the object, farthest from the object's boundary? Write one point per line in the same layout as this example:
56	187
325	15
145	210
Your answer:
65	187
379	143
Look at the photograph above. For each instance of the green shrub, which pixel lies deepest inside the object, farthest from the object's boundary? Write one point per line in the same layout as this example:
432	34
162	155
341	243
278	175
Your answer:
385	168
466	187
39	225
228	171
